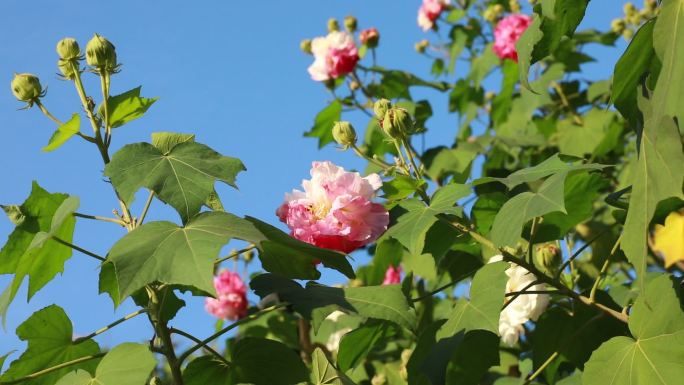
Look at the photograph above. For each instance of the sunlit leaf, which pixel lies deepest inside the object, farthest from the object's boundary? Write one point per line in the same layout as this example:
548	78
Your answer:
64	133
125	364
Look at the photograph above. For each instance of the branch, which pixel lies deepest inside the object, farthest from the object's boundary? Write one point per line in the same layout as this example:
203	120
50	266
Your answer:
52	369
234	254
84	251
146	208
111	325
98	218
198	341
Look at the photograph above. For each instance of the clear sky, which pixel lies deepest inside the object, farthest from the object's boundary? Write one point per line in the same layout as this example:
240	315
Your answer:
230	72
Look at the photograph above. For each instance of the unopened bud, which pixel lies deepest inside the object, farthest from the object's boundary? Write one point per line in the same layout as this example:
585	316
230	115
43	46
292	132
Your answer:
355	283
333	25
629	9
397	123
381	107
344	134
627	34
618	25
370	37
421	46
68	49
350	23
379	379
248	255
493	12
66	68
26	88
634	19
14	214
354	85
650	5
305	46
514	5
548	258
489	95
101	54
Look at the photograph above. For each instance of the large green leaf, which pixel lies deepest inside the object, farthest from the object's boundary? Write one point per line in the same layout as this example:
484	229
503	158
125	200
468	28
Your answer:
125	364
412	227
126	107
580	140
482	311
30	249
49	335
659	175
64	133
472	357
656	353
164	252
323	124
324	373
260	361
207	370
317	301
356	345
184	177
668	43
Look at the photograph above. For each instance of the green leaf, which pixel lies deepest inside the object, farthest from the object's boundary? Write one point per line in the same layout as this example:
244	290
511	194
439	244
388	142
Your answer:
485	209
669	47
482	311
655	353
184	177
49	334
323	123
659	175
166	141
580	140
388	252
206	370
317	301
412	227
265	362
125	364
558	19
630	70
355	345
164	252
472	357
64	133
30	250
401	187
448	162
126	107
501	103
324	373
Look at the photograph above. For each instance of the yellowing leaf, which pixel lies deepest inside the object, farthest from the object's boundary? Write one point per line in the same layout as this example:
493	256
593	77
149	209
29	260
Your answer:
668	240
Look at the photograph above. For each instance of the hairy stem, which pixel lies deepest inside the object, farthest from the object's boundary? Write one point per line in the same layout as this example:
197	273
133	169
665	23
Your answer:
164	334
111	325
234	254
47	113
52	369
198	341
150	197
82	250
98	218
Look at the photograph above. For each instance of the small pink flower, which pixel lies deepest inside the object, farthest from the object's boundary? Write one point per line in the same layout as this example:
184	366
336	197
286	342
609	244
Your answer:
231	299
392	275
429	11
335	55
335	210
506	34
370	37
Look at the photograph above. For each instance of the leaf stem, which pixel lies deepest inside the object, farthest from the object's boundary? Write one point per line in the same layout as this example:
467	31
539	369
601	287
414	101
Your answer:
53	368
604	268
150	197
533	234
228	328
542	367
234	254
198	341
82	250
164	334
111	325
47	113
98	218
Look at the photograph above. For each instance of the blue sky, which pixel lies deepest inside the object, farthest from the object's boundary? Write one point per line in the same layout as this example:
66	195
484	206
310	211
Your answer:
230	72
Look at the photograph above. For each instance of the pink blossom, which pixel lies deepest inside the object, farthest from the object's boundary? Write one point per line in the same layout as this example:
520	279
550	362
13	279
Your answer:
506	34
392	275
369	37
231	300
429	11
335	55
335	210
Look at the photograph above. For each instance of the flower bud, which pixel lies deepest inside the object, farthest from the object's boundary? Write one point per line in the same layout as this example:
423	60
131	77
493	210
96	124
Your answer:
421	46
66	68
354	85
355	283
248	255
650	5
305	46
627	34
370	37
344	134
26	88
618	25
548	258
350	23
493	12
381	107
397	123
629	9
379	379
101	54
333	25
14	214
514	5
68	49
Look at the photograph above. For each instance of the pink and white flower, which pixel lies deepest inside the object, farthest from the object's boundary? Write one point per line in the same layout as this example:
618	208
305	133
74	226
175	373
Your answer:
231	299
335	55
335	210
429	11
506	34
392	275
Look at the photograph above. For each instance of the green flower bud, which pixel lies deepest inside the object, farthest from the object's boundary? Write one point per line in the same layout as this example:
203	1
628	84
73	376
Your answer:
629	9
305	46
650	5
379	379
618	25
397	123
333	25
248	255
344	134
66	68
354	85
350	23
548	258
421	46
355	283
627	34
634	19
68	49
381	107
101	54
14	214
514	5
26	88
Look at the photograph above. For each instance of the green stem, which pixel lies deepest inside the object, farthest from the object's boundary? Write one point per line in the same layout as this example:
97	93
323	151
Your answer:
198	341
111	325
542	367
533	234
604	268
104	85
383	165
225	330
163	332
150	197
234	254
47	113
412	155
82	250
98	218
52	369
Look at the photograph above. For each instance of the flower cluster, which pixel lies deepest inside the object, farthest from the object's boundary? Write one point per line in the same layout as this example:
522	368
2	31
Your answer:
335	210
392	276
429	11
506	34
335	55
527	307
231	300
